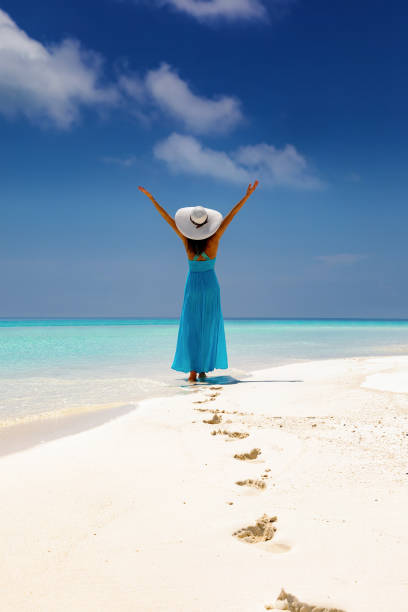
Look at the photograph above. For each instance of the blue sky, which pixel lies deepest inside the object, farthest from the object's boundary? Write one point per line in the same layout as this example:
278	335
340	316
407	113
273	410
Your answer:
193	100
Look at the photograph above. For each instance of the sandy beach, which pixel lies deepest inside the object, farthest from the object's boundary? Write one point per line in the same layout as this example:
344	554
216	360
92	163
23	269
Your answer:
287	491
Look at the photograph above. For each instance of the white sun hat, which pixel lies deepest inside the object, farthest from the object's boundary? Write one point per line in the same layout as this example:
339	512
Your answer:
197	222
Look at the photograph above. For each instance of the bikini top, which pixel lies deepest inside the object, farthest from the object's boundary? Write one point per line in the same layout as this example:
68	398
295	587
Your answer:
197	265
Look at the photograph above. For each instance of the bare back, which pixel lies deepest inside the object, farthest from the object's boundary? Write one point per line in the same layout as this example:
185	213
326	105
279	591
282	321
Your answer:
211	247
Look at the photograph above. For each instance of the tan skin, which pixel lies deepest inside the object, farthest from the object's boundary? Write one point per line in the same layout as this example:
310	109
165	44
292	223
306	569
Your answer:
212	242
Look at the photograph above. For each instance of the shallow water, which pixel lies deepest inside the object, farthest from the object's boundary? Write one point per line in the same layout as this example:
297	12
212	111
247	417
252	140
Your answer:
71	365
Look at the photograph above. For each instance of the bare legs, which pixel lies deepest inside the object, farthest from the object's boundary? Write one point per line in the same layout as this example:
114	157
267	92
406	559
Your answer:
193	376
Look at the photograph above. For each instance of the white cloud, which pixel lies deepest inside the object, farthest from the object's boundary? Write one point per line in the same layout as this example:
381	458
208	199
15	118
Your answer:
213	9
186	154
279	167
164	88
341	258
133	86
273	167
53	83
50	82
120	161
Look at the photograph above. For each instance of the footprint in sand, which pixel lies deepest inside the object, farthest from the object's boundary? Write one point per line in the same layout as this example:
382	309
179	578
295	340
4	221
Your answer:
286	601
215	419
215	388
231	434
249	482
255	452
209	398
263	530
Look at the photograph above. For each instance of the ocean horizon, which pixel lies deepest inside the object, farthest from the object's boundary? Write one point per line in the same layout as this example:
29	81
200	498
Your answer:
56	365
5	321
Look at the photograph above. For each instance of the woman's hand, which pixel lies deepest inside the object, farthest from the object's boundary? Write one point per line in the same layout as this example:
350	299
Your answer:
227	220
251	188
163	213
143	190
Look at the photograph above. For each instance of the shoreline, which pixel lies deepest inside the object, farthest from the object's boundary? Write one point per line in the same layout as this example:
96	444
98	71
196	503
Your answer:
32	431
140	512
21	433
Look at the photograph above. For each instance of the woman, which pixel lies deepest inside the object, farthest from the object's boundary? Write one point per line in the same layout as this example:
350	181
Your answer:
201	338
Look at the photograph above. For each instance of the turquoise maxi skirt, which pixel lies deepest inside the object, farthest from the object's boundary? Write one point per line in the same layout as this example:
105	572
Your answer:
201	342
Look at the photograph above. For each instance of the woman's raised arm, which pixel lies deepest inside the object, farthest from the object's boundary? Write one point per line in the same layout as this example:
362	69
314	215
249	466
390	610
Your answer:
163	213
228	218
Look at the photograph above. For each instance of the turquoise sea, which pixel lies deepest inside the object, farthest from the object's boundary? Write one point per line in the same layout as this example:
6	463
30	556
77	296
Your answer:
54	365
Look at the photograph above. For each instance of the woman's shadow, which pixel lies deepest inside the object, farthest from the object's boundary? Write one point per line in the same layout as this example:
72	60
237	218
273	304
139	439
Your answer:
230	380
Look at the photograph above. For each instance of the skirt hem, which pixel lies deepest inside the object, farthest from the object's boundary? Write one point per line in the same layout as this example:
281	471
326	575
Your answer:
198	370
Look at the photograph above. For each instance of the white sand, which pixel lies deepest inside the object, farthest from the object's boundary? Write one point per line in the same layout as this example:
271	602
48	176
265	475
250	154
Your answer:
138	513
395	380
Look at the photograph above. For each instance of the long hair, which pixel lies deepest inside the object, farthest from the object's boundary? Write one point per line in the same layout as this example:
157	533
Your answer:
198	246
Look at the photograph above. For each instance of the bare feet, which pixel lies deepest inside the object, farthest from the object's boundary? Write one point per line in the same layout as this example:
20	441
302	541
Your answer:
202	375
193	376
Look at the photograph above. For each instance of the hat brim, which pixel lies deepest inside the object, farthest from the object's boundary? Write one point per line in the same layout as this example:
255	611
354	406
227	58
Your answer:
189	230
